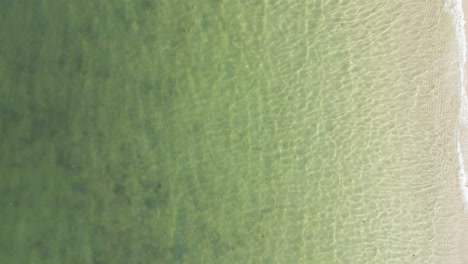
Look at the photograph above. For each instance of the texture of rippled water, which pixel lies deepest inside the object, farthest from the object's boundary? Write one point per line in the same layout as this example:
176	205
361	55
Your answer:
225	131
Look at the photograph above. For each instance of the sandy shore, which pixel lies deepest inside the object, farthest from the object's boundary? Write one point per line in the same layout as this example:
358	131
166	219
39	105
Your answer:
460	219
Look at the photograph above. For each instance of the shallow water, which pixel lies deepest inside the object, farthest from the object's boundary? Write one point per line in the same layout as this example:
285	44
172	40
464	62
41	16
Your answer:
225	131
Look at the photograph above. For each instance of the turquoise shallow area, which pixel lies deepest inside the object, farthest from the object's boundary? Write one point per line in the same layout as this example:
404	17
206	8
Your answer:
221	131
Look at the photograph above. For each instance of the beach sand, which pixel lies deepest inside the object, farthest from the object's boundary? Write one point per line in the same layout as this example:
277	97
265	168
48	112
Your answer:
462	219
457	220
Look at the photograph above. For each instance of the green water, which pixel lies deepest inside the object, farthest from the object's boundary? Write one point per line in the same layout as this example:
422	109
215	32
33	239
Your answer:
221	131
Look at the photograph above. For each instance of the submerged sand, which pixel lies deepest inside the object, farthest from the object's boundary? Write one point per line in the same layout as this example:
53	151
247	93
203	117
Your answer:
231	132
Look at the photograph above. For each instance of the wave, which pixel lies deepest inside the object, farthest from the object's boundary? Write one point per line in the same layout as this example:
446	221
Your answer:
454	7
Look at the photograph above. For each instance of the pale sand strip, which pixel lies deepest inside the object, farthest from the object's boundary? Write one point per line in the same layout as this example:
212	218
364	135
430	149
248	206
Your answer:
459	219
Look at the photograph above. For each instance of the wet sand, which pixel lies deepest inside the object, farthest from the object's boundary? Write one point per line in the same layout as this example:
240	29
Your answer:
459	218
462	237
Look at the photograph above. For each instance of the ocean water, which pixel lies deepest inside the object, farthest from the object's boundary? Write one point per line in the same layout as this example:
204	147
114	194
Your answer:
227	131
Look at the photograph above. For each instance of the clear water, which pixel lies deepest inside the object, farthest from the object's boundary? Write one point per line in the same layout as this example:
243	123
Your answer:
225	131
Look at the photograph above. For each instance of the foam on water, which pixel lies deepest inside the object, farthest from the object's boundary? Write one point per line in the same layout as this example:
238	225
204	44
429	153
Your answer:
455	9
